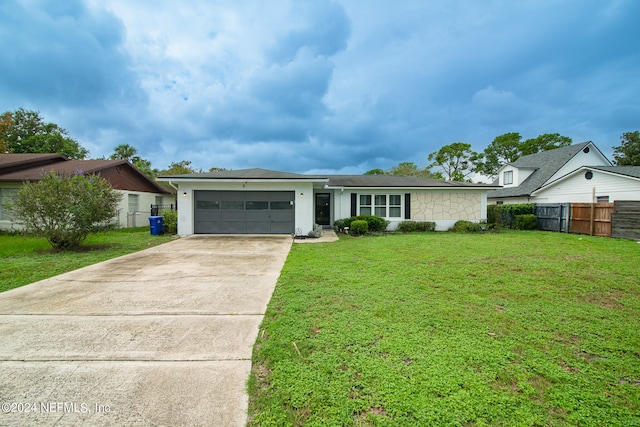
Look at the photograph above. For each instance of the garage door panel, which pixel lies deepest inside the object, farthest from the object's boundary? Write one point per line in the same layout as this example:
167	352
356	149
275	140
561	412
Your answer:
281	227
257	216
255	212
208	226
232	227
257	227
232	215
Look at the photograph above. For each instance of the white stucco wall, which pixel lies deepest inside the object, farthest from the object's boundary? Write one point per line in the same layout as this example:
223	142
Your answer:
577	188
304	213
139	218
123	218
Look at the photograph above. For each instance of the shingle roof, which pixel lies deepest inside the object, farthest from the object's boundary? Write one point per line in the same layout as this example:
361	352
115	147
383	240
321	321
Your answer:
545	163
379	181
250	174
69	167
21	160
31	167
632	171
395	181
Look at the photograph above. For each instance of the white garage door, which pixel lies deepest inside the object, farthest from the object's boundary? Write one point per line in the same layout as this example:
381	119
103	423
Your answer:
244	212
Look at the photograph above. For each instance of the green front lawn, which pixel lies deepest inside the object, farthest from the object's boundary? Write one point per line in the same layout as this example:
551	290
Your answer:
443	329
25	260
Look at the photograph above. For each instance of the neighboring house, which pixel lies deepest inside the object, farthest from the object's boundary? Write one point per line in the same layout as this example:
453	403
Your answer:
263	201
521	180
138	190
590	184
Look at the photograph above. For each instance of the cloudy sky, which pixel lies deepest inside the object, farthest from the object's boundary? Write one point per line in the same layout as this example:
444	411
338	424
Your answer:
320	86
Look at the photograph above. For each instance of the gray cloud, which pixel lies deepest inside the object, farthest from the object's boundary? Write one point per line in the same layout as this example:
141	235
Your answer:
320	85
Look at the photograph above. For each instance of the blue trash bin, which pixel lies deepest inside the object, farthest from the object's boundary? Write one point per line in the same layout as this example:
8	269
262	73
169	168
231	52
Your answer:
155	225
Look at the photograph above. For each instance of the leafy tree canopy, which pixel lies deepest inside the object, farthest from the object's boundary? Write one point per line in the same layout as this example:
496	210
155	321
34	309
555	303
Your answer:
406	169
25	131
128	153
376	171
124	152
544	142
628	152
178	168
509	147
456	160
64	210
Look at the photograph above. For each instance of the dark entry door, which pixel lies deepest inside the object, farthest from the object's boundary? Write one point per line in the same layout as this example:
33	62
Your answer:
323	208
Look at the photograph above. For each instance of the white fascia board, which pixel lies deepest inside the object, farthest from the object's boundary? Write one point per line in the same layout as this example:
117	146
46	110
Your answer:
420	188
218	180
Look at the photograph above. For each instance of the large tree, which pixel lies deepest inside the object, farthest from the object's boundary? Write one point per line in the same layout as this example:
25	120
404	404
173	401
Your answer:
124	152
456	160
509	147
128	153
25	131
178	168
411	169
376	171
628	152
544	142
406	169
503	149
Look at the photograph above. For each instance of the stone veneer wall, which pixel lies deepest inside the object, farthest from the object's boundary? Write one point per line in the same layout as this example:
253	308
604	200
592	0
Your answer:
446	205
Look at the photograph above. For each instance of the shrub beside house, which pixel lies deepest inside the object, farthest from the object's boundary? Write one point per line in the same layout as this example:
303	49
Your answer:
139	192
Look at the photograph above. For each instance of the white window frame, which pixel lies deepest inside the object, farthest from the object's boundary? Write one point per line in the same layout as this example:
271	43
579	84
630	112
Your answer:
6	196
133	200
373	203
504	177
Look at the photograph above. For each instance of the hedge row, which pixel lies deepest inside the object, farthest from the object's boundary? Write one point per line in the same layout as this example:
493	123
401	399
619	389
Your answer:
505	215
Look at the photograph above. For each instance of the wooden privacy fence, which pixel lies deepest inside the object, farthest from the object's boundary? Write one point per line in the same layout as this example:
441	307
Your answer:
553	216
619	219
625	221
593	219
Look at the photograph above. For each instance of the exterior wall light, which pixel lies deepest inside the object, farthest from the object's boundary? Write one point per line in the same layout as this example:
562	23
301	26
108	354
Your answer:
184	194
302	195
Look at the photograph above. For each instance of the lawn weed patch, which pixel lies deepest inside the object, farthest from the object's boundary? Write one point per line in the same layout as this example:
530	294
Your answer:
514	328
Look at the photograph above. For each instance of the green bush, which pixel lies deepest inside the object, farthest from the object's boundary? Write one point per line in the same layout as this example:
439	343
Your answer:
413	226
375	223
525	222
466	227
359	227
408	226
505	215
169	221
65	209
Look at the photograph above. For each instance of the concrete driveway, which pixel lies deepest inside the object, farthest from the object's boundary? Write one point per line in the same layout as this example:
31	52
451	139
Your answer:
161	337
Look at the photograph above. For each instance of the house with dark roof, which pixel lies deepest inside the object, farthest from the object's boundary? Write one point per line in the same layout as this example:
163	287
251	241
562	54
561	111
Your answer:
260	201
589	184
138	190
522	181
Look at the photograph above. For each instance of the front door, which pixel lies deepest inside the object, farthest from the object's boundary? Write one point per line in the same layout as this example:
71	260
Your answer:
323	208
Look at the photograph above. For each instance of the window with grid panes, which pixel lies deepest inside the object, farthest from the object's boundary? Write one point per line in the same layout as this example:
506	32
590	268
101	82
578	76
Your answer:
365	204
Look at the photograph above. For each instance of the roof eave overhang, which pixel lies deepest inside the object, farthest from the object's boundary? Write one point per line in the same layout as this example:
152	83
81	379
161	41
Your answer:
575	172
419	188
242	180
